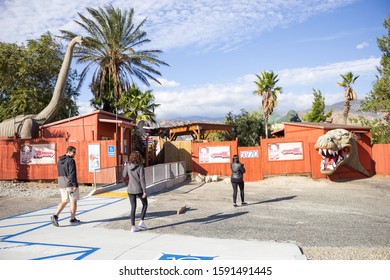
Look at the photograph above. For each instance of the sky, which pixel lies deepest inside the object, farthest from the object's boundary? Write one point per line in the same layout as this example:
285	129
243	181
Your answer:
215	48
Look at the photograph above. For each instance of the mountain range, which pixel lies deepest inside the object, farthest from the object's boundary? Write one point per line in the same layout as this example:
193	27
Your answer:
290	116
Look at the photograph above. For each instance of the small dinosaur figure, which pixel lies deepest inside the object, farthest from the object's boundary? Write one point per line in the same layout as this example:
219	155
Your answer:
338	147
27	126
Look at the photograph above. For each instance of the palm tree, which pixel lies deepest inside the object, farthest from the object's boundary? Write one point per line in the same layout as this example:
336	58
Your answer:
112	47
349	93
266	88
138	105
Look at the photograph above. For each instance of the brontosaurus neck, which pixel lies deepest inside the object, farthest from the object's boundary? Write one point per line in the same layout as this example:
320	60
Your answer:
51	109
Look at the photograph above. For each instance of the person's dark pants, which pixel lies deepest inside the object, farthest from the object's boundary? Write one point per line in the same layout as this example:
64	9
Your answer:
133	204
241	186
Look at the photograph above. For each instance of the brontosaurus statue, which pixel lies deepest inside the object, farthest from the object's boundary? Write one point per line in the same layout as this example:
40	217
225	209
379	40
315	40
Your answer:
27	126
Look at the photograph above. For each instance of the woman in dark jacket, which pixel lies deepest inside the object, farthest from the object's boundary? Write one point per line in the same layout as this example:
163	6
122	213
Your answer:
136	188
237	179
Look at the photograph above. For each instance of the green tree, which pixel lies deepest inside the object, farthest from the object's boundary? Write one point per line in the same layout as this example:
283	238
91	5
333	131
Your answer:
317	112
378	100
28	74
249	128
380	131
349	94
138	105
112	48
267	89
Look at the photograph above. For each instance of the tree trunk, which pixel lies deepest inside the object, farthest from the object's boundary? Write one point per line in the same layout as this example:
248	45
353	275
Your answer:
266	125
347	107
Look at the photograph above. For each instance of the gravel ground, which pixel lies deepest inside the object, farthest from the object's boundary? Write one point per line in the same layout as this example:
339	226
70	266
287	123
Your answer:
328	220
21	197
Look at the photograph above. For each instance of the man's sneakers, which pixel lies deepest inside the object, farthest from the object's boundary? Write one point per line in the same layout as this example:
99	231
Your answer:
54	220
74	221
142	225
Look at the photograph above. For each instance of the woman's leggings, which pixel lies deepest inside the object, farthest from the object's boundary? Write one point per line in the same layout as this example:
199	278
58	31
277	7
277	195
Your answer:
133	203
241	186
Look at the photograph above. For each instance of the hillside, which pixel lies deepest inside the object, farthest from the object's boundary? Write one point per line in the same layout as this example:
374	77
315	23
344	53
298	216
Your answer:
290	116
338	110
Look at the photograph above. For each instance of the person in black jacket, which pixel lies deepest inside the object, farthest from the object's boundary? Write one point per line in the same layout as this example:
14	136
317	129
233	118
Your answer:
237	179
68	186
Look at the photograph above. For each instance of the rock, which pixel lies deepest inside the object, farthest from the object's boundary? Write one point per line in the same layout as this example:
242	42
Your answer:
199	178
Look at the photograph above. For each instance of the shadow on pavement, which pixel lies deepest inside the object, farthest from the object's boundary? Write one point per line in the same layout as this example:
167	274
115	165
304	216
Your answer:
207	220
274	200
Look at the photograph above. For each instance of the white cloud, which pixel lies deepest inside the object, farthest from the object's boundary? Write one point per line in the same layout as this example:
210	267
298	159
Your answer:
362	45
85	107
216	100
171	23
209	101
166	83
331	72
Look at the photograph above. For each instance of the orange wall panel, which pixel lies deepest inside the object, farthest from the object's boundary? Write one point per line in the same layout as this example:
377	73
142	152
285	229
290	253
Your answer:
11	169
284	167
381	158
212	168
251	158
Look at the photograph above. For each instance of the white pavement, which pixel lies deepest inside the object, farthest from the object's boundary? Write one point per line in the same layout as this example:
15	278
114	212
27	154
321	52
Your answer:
32	236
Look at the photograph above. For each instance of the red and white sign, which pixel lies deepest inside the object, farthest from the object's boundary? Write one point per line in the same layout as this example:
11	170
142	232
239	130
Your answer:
214	154
38	154
285	151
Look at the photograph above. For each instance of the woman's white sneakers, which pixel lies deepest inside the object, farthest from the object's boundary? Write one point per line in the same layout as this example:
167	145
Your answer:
141	226
134	229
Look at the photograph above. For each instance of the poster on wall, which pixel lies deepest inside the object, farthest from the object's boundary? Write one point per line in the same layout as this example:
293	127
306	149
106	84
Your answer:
93	157
285	151
214	154
38	154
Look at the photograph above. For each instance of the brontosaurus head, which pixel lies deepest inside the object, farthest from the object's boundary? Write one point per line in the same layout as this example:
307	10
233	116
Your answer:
338	147
77	40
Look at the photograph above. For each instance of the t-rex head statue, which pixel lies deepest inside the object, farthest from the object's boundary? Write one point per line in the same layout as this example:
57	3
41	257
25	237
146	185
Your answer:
338	147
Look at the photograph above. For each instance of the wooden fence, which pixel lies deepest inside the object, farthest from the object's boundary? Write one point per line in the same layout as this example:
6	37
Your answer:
381	158
11	167
256	159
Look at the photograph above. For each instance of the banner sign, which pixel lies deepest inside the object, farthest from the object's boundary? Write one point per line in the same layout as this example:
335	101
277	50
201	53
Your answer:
214	154
93	157
285	151
38	154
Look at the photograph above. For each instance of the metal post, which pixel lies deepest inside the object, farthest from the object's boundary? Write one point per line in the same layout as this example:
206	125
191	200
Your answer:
94	178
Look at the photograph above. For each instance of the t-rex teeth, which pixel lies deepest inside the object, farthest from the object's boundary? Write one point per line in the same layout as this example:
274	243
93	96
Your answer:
320	151
323	164
330	167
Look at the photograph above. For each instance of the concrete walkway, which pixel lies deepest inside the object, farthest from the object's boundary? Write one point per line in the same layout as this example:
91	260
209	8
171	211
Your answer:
31	236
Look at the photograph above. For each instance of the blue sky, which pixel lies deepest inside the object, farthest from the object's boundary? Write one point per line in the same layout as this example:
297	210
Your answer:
215	47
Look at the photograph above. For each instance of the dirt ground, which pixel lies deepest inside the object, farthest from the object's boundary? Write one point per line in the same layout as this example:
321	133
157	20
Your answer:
328	220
